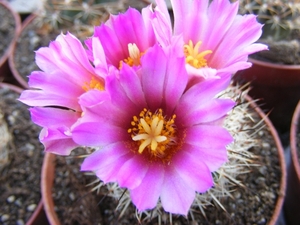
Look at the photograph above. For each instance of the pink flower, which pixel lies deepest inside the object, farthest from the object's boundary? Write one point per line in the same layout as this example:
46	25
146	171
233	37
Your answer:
125	37
153	135
216	39
66	74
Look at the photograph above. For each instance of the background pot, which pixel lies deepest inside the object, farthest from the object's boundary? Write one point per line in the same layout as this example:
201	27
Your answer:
9	26
49	168
17	169
292	202
278	87
21	79
48	171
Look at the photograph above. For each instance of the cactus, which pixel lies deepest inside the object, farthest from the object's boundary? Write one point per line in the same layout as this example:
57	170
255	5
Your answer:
80	15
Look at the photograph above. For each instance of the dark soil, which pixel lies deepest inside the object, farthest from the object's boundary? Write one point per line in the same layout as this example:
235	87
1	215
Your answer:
252	204
7	29
20	173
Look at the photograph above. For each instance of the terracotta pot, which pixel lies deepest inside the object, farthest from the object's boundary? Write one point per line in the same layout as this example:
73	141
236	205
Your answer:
292	201
47	180
277	215
4	68
38	217
278	87
49	169
20	80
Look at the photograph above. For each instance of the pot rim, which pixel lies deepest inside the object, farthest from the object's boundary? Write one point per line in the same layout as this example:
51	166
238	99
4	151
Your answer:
274	65
47	177
12	87
17	19
11	60
293	139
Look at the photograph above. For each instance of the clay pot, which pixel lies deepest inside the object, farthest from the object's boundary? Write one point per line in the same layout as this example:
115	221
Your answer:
38	217
19	79
4	68
47	180
278	87
292	201
48	171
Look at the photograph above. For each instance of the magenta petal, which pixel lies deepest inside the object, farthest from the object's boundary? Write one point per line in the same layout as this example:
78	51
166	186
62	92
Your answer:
51	117
209	112
154	65
93	97
176	78
66	53
120	30
45	98
132	172
106	161
131	84
98	108
193	170
104	156
56	81
222	14
207	136
176	195
214	158
98	134
130	28
162	24
119	96
202	93
146	195
184	12
208	143
244	31
57	141
99	58
110	42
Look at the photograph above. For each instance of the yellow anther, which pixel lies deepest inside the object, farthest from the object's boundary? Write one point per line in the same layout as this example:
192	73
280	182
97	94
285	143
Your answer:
193	56
134	58
153	132
94	84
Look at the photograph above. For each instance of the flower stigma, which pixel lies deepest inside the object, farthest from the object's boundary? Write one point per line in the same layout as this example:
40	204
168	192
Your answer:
134	58
153	132
193	56
93	84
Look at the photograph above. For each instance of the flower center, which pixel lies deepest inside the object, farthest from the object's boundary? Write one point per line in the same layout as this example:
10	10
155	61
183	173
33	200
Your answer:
193	56
134	58
93	84
153	132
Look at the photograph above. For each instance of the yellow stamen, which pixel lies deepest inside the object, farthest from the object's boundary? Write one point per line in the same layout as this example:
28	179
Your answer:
134	58
94	84
193	56
153	132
